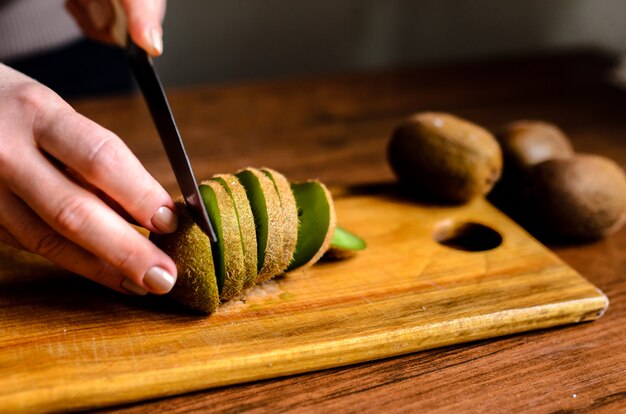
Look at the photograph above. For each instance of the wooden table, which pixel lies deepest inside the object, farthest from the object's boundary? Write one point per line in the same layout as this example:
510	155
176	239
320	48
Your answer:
336	128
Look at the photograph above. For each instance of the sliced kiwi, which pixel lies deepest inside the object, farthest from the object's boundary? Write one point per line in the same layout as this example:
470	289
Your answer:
228	251
263	225
268	218
317	222
196	285
246	225
290	212
344	244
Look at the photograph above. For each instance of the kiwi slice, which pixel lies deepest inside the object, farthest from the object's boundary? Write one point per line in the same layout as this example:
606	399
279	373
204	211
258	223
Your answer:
317	222
228	251
344	244
268	218
246	225
290	212
196	285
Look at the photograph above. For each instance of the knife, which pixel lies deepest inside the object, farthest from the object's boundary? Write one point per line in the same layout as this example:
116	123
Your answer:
154	95
155	98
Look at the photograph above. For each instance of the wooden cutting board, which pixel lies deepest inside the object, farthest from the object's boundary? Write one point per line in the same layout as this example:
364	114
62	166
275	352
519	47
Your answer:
66	343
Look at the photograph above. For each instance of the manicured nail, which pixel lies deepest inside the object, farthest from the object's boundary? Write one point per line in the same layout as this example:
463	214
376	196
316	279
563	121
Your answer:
165	220
156	41
132	287
97	14
159	280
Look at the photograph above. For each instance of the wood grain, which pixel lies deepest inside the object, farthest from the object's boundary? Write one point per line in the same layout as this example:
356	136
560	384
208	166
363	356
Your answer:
336	127
405	293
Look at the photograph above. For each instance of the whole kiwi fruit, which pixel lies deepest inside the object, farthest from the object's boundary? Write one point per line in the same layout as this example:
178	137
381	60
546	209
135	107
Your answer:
526	143
441	155
582	197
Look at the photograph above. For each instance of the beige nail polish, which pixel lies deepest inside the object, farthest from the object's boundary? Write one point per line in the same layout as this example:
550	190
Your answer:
159	280
165	220
156	41
97	14
132	287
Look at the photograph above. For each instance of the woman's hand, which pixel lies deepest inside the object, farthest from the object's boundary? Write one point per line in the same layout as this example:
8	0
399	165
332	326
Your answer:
53	162
96	18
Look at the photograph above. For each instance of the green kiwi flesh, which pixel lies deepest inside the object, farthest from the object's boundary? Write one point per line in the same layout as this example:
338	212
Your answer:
317	222
190	248
344	244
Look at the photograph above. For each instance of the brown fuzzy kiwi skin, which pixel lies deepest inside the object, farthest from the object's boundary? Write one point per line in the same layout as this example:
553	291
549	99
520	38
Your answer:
232	251
246	225
190	248
582	197
290	213
273	249
337	253
526	143
441	155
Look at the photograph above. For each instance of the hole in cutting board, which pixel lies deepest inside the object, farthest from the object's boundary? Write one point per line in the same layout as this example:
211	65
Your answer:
466	236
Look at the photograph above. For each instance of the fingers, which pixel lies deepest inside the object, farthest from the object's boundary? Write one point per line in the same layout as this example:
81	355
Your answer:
144	17
104	161
76	177
7	238
144	23
94	17
36	236
86	221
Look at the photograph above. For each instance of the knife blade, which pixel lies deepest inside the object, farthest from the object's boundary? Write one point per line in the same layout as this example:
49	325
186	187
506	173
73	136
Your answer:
158	105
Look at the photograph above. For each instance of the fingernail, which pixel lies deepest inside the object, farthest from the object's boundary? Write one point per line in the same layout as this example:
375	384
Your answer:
165	220
156	41
159	280
97	14
133	287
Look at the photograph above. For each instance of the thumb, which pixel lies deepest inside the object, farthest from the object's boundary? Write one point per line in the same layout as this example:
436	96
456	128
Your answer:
144	23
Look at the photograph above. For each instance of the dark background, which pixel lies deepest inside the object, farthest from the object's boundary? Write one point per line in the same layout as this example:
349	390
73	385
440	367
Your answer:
224	40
